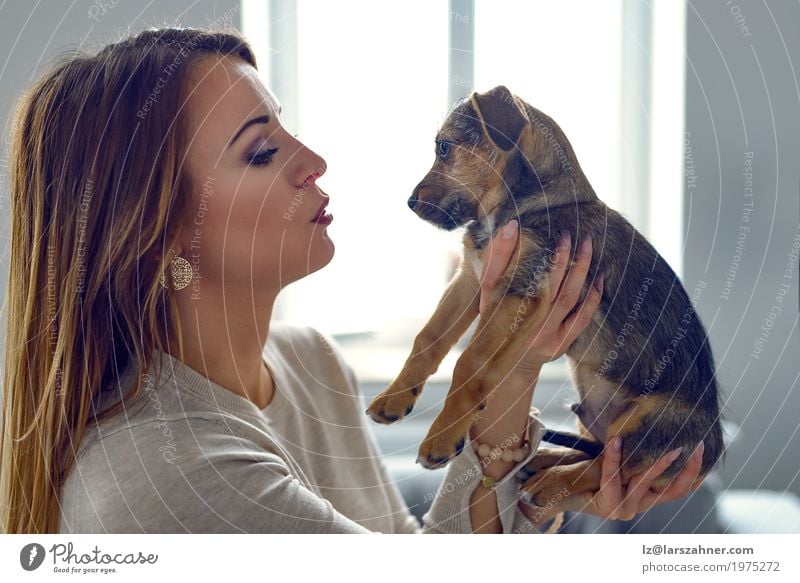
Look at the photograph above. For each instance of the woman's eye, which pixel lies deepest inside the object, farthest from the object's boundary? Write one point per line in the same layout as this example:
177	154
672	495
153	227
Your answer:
443	148
262	158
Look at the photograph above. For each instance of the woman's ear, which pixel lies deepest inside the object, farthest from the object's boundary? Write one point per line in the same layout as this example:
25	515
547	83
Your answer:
501	117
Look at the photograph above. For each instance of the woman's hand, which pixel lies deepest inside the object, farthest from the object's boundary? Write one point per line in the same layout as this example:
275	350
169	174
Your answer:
563	322
507	411
509	406
505	415
615	502
561	326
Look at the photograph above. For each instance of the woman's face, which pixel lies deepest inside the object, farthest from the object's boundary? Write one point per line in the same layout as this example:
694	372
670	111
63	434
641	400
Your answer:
255	219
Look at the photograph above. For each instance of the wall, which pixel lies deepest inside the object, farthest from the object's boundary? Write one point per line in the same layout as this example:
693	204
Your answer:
741	217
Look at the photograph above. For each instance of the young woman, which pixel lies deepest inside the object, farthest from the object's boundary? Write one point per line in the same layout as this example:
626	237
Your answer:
158	208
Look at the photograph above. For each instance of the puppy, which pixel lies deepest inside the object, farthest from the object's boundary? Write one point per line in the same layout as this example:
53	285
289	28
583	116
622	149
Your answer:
643	368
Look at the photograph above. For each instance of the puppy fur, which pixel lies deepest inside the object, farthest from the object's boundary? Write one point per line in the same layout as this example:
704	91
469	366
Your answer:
643	368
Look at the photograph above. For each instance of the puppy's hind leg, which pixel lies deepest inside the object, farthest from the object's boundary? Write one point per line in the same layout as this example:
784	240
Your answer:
456	310
547	457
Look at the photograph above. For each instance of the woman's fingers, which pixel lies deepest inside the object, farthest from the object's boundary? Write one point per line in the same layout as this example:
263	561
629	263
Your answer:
556	325
580	318
609	498
559	267
570	291
639	486
496	259
681	485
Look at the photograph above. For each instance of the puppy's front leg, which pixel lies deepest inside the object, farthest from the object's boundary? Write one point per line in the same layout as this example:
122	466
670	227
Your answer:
494	336
456	310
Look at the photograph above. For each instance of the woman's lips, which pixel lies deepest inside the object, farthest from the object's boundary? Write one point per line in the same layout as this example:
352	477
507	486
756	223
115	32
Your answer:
322	217
325	219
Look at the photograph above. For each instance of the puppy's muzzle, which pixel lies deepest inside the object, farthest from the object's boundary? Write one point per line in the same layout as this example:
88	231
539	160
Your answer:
430	203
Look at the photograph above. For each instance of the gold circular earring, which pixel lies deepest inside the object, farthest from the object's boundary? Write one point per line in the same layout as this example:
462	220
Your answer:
181	272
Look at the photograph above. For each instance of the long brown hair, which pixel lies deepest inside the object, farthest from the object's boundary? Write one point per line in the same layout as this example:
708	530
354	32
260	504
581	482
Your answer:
96	174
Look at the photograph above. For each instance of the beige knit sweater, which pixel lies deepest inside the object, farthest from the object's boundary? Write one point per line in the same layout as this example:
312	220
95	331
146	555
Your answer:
192	456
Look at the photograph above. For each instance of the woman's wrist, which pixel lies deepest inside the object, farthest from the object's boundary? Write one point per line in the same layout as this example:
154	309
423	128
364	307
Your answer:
503	423
528	370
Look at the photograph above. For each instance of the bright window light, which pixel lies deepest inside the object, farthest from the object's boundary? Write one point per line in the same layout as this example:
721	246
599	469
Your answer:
564	59
372	91
371	86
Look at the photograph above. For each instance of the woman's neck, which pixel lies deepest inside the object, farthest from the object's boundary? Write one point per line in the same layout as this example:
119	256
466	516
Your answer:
224	338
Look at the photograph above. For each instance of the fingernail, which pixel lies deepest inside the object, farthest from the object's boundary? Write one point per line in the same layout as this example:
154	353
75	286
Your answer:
673	455
508	230
585	247
699	449
616	445
598	282
563	241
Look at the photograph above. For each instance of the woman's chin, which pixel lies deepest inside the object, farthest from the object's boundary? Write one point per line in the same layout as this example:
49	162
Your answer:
321	255
330	250
306	262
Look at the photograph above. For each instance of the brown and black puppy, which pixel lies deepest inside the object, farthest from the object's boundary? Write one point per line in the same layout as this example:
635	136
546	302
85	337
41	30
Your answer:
643	367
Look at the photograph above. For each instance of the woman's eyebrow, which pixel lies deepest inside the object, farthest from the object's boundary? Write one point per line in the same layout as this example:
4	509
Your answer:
260	119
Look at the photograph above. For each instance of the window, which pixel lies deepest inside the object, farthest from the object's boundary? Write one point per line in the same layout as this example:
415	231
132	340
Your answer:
367	85
567	67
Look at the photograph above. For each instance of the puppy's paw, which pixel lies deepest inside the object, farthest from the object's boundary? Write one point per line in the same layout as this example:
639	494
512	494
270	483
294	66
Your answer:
443	444
549	486
548	457
392	404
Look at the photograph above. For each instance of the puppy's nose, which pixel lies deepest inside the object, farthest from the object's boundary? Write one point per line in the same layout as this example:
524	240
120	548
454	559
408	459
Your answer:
412	202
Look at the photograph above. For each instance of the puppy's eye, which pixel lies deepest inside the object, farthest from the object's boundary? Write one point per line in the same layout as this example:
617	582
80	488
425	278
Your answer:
442	148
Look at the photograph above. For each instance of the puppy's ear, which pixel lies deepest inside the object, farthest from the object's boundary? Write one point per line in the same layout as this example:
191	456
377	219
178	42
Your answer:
500	115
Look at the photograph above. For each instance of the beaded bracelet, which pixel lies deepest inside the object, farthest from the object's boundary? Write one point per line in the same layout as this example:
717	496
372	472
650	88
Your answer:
509	454
493	453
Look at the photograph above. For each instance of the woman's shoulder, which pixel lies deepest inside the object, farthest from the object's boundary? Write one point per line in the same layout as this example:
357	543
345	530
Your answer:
288	336
164	438
119	479
310	352
171	405
142	436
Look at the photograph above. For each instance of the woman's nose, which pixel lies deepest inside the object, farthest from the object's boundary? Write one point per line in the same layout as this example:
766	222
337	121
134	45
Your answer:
314	175
311	166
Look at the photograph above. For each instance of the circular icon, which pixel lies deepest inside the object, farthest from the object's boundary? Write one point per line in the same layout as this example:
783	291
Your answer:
31	556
